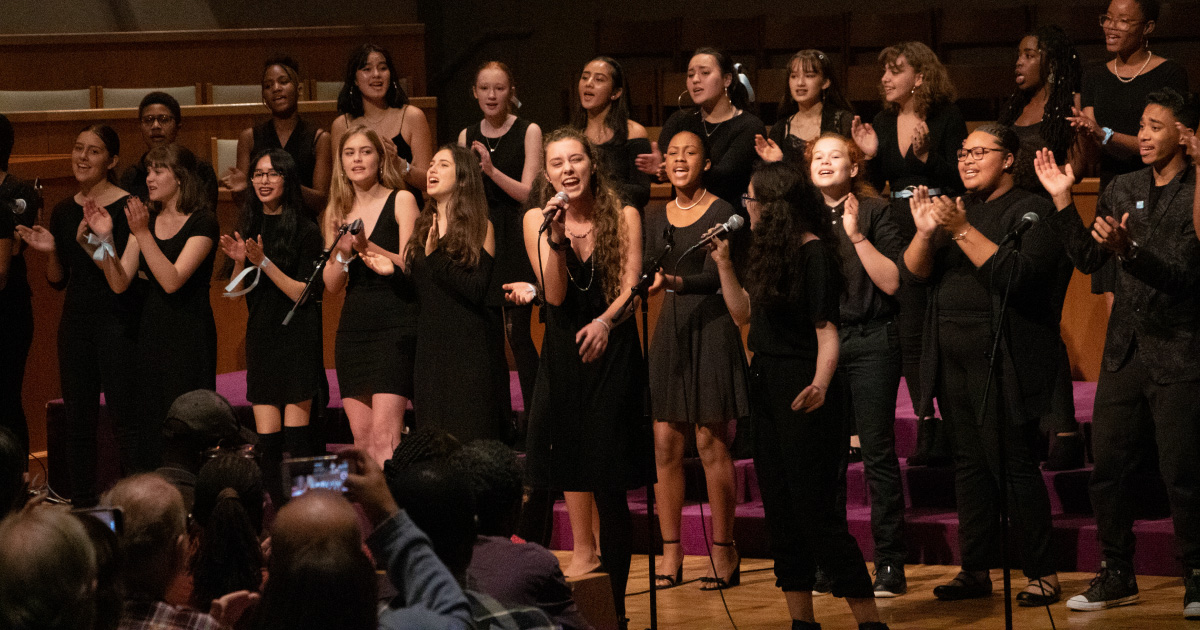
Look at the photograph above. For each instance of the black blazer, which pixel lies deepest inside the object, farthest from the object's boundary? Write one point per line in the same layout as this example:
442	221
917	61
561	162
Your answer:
1157	299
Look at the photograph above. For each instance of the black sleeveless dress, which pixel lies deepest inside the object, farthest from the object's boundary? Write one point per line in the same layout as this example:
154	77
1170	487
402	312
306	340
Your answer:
586	428
508	156
460	351
301	145
377	336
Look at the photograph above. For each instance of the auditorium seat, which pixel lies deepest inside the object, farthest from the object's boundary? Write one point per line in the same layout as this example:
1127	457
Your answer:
132	97
325	90
785	35
869	32
224	154
46	100
643	95
740	38
231	94
969	34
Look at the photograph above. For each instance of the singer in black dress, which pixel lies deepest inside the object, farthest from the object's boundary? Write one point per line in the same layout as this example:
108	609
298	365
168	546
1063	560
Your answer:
585	428
376	338
97	332
813	104
602	112
510	152
460	353
284	366
306	142
174	248
697	363
371	96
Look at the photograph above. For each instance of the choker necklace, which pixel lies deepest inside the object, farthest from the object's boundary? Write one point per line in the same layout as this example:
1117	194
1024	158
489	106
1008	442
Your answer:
584	235
694	203
1149	56
591	276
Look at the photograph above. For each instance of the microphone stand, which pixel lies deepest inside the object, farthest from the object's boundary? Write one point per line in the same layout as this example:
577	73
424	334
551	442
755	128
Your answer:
318	268
1002	434
642	290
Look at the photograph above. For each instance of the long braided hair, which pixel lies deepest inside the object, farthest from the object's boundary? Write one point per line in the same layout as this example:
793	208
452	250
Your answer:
1062	73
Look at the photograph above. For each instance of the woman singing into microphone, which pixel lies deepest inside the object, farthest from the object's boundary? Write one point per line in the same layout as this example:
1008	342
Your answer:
584	423
283	363
376	338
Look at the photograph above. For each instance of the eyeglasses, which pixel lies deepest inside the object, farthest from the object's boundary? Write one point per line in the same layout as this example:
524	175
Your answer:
161	119
747	199
1107	21
976	153
267	176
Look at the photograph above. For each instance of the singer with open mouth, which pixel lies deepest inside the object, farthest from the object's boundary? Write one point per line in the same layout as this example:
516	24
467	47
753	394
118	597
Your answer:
955	254
376	338
585	421
697	363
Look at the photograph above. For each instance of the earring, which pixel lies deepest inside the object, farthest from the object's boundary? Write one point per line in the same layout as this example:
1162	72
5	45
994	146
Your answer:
1050	78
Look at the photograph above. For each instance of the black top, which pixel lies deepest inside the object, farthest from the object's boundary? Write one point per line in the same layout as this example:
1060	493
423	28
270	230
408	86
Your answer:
959	289
618	158
1119	105
793	148
508	156
730	150
133	180
192	297
375	302
12	189
267	303
787	327
1031	142
862	301
87	289
301	145
940	170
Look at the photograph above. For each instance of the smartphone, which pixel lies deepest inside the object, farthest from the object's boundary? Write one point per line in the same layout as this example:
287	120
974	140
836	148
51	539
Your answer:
113	518
327	472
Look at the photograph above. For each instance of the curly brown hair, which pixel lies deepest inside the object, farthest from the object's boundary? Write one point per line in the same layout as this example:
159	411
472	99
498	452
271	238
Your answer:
467	210
935	88
612	242
861	186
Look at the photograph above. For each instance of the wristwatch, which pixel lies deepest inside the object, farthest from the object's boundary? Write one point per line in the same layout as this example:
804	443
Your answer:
1108	134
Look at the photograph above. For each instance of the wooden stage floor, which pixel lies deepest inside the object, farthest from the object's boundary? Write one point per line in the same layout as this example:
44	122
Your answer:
758	605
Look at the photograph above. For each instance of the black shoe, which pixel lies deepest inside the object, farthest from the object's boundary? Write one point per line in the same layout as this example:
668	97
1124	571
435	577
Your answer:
873	625
890	580
1191	595
1039	593
1066	453
823	585
965	585
1111	587
805	625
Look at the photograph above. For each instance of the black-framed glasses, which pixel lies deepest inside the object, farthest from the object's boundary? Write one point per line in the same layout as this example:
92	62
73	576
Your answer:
976	153
1117	24
267	176
747	199
161	119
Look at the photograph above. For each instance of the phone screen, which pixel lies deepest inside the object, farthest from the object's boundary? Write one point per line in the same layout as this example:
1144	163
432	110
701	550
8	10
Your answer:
111	517
327	472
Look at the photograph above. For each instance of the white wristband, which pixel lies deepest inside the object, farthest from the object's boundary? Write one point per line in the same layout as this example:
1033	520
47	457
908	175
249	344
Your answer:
601	321
266	262
345	263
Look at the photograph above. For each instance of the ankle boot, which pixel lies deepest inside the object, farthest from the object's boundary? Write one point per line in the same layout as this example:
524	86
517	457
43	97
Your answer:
271	447
298	441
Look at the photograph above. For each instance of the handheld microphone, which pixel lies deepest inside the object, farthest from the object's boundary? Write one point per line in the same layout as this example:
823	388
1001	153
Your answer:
562	194
17	206
734	224
1027	222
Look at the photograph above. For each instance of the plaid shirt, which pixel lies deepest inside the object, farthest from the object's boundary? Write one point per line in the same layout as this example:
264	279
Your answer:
490	614
158	615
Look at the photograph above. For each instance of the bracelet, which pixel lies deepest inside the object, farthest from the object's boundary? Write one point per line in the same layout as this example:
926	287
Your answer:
1108	134
601	321
858	241
266	262
963	235
558	247
345	263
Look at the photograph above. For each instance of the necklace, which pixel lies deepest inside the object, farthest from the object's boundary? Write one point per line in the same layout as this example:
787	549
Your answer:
488	142
372	123
1122	79
707	133
584	235
591	275
694	203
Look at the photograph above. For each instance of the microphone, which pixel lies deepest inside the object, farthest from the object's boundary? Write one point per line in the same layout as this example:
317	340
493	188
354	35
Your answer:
562	194
1027	222
734	224
354	227
17	206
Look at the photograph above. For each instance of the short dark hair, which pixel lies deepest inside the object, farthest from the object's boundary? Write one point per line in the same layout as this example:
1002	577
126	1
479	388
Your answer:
6	141
492	469
1150	9
1183	106
440	502
164	99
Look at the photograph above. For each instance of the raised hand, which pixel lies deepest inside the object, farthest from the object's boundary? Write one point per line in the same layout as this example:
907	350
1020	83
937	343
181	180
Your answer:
921	205
97	218
950	214
1111	235
431	238
650	163
1085	125
920	141
850	217
1190	143
138	216
233	246
485	158
1056	182
234	179
718	249
865	137
37	237
254	251
378	263
767	149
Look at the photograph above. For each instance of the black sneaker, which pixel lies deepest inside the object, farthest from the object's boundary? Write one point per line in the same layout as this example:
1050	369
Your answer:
890	580
1191	595
823	586
1111	587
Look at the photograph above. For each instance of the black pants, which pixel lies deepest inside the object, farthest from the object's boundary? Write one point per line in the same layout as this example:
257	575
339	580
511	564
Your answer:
616	533
16	334
910	322
963	370
869	365
1129	407
98	353
797	456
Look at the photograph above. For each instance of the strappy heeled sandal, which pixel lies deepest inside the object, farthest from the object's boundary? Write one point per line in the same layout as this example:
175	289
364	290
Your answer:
719	583
671	580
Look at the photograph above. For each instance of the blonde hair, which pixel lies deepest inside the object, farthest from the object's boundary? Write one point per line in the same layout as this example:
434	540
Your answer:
341	191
